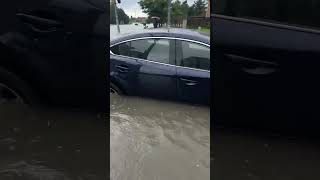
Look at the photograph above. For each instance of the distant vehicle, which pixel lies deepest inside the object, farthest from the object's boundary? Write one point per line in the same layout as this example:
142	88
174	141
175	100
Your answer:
51	52
158	64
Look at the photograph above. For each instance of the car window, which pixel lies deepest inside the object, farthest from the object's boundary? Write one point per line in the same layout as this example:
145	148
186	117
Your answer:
194	55
139	48
157	50
136	49
160	51
121	49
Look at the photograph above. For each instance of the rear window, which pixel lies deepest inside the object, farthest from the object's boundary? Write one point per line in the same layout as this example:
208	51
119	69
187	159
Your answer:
303	13
194	56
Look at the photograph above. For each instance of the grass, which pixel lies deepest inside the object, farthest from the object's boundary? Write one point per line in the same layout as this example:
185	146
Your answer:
205	30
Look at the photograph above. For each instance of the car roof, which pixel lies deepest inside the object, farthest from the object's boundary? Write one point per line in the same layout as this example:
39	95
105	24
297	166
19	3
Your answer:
162	32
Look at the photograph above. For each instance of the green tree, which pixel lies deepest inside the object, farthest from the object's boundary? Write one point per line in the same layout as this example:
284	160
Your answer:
123	17
198	8
177	13
185	9
179	10
157	8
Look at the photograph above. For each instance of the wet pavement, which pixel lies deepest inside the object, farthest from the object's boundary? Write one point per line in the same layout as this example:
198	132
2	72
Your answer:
51	145
151	139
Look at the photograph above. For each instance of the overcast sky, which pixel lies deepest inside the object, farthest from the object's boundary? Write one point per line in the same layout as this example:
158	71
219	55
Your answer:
132	8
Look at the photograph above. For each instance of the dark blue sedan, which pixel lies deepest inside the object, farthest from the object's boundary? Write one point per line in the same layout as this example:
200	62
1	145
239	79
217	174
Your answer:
171	65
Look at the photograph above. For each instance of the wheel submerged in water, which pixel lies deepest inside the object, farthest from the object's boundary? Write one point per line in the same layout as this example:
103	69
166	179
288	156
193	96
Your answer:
114	89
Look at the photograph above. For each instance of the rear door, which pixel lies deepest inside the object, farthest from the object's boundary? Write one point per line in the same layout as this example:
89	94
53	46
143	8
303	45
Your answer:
264	74
157	73
267	59
193	71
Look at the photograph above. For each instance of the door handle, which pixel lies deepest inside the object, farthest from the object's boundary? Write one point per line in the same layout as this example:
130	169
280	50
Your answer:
189	82
254	66
39	24
42	31
259	70
122	68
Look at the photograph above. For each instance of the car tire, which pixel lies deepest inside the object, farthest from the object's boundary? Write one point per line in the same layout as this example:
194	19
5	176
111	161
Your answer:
115	90
11	83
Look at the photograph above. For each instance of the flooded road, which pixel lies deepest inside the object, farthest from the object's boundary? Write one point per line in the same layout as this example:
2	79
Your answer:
51	145
128	28
244	155
131	28
151	139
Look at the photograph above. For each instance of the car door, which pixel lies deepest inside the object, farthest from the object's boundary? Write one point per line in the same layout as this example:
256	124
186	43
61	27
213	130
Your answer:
144	67
123	68
74	50
254	74
157	73
60	44
193	71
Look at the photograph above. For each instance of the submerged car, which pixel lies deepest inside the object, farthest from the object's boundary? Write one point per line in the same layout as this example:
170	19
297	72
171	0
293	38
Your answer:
171	65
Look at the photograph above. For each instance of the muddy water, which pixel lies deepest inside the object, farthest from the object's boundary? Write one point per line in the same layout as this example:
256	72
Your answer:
244	155
151	140
51	145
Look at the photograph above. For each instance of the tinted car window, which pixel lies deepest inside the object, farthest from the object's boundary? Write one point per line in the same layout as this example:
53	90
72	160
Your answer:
157	50
194	56
121	49
139	48
293	12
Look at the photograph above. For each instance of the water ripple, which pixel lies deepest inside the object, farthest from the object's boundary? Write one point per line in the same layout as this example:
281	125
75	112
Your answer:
147	135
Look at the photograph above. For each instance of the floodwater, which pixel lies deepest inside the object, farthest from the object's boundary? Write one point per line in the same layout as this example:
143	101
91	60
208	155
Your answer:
128	28
131	28
251	155
153	140
51	145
